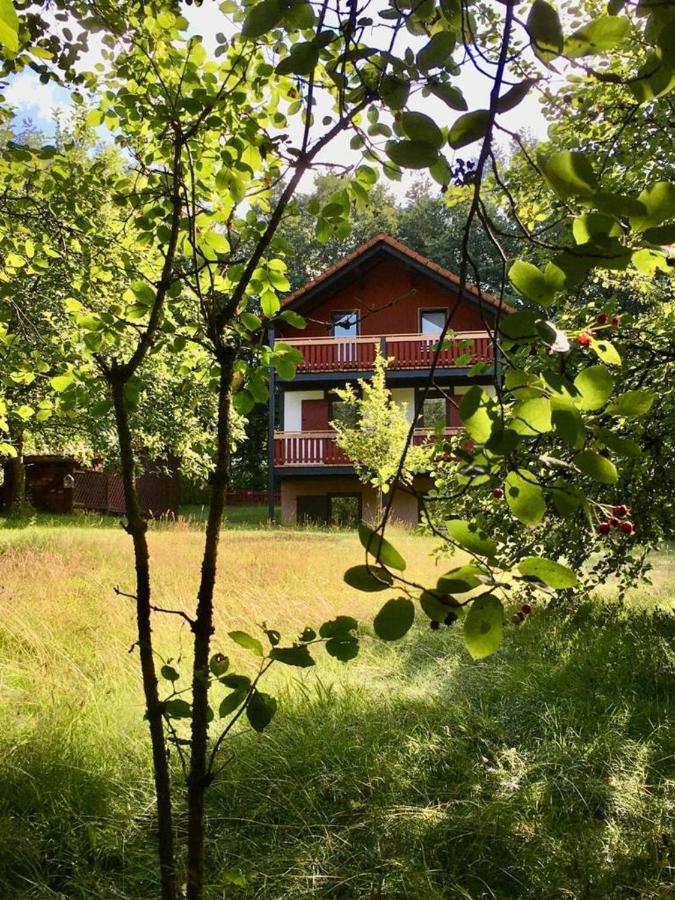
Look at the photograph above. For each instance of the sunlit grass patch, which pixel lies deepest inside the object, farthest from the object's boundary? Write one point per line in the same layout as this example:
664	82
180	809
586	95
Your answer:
544	771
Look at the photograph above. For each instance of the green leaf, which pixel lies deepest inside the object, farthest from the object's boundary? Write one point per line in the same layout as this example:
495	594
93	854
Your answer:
411	154
394	91
588	226
338	627
143	292
514	96
459	580
177	709
380	548
260	710
595	386
617	204
450	95
247	642
650	261
472	126
293	656
543	26
484	626
262	18
302	59
632	403
597	36
661	235
519	325
474	413
596	466
9	27
618	444
419	127
437	50
231	702
169	673
61	383
531	418
218	665
566	498
469	536
432	606
525	497
290	317
368	578
236	682
343	647
551	573
605	351
567	421
531	282
394	619
659	202
569	173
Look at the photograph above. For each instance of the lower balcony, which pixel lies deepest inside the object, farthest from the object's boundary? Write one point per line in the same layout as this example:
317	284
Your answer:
319	448
407	351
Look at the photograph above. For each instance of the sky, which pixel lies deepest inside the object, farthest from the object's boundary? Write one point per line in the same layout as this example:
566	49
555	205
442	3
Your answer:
39	103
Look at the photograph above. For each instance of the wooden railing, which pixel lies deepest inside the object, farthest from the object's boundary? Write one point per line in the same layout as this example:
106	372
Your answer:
318	448
409	351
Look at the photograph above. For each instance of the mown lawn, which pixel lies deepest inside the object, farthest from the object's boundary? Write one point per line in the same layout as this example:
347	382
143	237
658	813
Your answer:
547	771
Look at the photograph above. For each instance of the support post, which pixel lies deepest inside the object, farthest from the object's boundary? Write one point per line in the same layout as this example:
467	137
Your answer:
270	435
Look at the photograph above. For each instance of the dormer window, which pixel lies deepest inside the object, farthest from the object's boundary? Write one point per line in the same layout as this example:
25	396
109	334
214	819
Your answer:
432	321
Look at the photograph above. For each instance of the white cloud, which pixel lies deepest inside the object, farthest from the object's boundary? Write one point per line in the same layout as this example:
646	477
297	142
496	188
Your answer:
34	100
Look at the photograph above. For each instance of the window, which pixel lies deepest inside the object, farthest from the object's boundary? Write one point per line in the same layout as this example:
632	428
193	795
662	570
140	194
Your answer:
345	324
339	411
432	321
434	411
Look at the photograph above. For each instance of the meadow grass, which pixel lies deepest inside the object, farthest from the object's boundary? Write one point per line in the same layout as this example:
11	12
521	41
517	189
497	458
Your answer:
546	771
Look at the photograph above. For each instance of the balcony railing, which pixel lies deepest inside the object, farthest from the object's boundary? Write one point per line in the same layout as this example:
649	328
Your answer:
409	351
318	448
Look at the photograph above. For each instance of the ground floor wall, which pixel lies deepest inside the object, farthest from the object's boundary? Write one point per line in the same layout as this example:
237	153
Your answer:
296	494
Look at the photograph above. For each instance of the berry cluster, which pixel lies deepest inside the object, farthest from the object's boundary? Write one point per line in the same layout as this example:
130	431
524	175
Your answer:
449	620
584	338
464	172
524	611
618	521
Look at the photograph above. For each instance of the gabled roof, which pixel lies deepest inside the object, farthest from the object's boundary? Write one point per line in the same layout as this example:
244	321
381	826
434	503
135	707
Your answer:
382	244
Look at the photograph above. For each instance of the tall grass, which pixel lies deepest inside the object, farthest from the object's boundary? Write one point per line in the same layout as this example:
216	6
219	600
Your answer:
546	771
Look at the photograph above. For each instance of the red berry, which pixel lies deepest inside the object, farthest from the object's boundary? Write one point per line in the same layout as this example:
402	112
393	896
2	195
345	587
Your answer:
292	93
468	446
526	609
620	510
627	527
602	527
584	339
616	321
602	319
498	493
613	521
434	625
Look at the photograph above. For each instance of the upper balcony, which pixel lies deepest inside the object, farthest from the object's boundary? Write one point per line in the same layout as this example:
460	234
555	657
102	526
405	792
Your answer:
319	448
407	351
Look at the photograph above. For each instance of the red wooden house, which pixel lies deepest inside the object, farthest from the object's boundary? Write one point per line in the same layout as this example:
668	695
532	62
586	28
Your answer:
382	295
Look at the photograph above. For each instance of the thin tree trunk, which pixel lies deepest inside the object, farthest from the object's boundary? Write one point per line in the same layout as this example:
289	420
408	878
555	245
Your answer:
137	528
203	629
14	488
